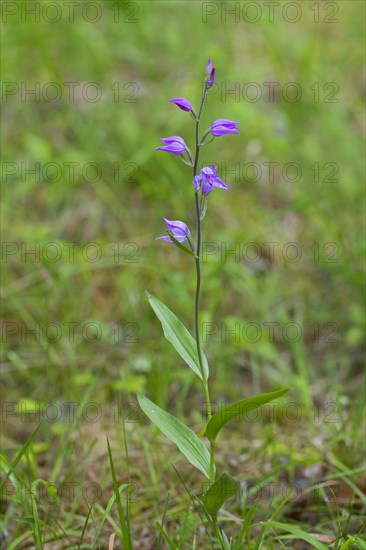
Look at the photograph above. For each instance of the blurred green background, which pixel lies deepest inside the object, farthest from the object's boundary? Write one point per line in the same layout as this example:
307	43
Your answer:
101	80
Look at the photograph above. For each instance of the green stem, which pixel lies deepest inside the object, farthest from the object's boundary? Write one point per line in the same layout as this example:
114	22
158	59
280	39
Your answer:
198	262
198	288
212	462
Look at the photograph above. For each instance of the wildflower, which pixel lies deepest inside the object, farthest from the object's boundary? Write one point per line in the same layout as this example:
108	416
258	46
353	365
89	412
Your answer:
179	230
211	71
222	126
208	179
173	144
182	103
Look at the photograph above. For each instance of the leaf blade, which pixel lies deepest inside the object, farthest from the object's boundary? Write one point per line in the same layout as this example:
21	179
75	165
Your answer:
181	246
297	532
177	334
221	490
125	535
219	419
183	437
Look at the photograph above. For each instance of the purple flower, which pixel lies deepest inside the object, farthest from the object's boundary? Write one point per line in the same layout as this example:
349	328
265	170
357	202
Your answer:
182	103
179	230
173	144
211	71
222	126
208	180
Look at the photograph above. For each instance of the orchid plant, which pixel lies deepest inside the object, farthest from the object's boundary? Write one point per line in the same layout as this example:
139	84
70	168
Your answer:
218	488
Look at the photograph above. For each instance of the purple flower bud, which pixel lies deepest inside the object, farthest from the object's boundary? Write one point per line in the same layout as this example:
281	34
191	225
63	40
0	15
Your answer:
179	229
182	103
208	179
173	144
222	126
211	80
210	69
209	66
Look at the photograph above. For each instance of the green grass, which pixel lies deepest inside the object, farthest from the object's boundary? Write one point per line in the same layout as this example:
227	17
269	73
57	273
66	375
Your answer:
121	209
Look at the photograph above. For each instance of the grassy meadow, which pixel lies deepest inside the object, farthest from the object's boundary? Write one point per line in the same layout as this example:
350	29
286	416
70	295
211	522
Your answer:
85	99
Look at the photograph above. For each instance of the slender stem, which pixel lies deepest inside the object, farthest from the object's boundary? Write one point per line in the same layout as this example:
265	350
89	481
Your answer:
199	208
197	128
196	308
212	462
198	261
198	288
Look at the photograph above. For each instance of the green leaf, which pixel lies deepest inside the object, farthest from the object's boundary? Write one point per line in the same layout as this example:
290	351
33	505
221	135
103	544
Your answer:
236	411
125	534
186	440
181	246
165	536
224	540
223	488
50	487
179	337
11	467
297	532
203	208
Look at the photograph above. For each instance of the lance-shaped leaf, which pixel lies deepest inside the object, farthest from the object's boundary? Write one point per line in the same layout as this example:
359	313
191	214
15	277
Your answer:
237	411
179	337
221	490
181	246
186	440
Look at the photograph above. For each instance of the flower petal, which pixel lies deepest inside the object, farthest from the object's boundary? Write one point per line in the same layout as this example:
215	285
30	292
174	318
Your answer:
196	183
167	239
219	183
182	103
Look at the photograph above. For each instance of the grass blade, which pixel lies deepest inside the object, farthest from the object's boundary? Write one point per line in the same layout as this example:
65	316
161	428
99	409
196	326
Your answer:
126	534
